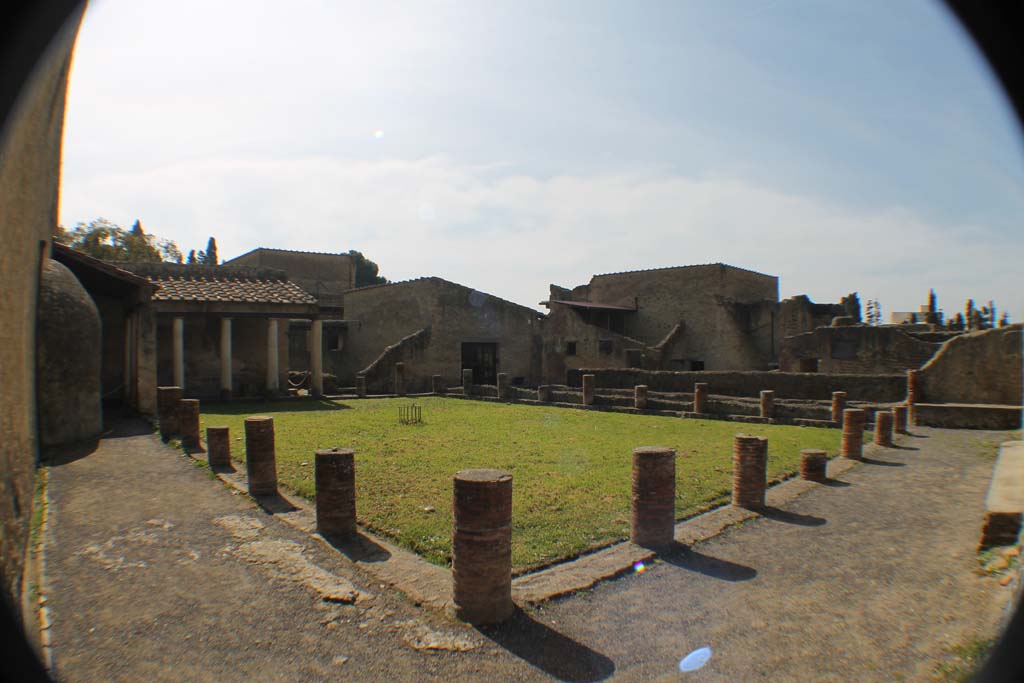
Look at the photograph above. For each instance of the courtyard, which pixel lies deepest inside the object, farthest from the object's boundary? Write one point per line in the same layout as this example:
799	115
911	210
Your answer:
571	468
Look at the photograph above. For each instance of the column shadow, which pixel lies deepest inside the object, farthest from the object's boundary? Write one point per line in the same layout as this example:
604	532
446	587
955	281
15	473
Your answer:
780	515
836	483
883	463
274	503
357	547
546	649
685	557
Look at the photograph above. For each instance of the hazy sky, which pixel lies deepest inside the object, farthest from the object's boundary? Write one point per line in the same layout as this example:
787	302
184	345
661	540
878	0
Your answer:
507	145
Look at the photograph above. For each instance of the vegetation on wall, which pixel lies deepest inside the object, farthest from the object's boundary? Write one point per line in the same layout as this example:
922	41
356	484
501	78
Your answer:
367	272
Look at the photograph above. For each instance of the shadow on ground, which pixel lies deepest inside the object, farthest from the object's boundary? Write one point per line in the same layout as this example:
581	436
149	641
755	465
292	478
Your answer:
788	517
836	483
264	407
358	547
689	559
545	648
883	463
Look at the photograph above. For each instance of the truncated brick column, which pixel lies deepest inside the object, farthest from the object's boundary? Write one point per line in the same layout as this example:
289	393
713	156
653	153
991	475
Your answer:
812	464
883	428
399	379
218	447
502	386
437	385
768	403
749	471
482	546
654	496
361	386
640	397
188	422
899	419
335	492
700	397
838	406
853	433
167	410
544	393
467	381
260	457
588	390
913	393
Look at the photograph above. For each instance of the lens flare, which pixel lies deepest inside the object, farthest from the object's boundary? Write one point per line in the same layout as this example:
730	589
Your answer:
695	660
639	567
378	134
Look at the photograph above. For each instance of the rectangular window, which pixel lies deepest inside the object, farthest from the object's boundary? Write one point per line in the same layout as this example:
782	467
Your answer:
570	348
809	365
333	341
696	365
606	346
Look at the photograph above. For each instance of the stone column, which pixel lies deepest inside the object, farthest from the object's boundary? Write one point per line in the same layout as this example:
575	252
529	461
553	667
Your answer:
700	397
188	423
640	396
225	358
654	497
812	465
913	393
260	455
588	390
749	471
544	393
178	351
482	546
218	447
768	403
399	379
899	419
853	433
361	386
437	385
883	428
167	410
467	381
335	492
273	384
838	406
316	357
502	386
129	361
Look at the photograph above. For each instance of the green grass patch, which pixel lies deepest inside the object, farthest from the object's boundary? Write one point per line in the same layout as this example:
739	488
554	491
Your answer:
964	661
571	468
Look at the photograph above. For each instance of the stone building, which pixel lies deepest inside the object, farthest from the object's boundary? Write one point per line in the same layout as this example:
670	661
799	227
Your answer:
701	317
859	349
436	327
798	314
325	276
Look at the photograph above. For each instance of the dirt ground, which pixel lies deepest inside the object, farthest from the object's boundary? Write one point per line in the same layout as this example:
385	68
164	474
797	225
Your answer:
154	571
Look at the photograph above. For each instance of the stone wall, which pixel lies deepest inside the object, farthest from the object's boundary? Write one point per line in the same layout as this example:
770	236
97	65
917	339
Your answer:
856	349
325	276
382	315
799	314
30	145
980	367
878	388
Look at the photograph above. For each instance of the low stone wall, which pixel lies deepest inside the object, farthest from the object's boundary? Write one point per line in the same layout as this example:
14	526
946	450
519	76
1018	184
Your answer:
786	385
981	367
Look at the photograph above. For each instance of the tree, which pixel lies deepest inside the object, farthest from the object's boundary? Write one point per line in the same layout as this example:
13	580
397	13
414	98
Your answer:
366	270
192	260
969	312
957	323
931	301
210	257
1005	320
851	306
103	239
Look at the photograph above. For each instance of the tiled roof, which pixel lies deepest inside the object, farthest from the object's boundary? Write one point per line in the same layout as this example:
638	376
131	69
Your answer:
694	265
229	289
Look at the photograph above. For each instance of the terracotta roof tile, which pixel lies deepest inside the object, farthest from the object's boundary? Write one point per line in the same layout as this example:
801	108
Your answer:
229	289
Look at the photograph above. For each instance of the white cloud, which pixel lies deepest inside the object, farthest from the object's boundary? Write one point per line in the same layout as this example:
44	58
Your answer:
512	234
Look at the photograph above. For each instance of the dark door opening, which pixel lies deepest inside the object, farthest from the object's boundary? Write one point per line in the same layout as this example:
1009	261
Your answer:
482	359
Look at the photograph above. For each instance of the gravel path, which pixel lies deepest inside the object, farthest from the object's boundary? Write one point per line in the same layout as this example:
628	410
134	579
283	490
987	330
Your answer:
156	572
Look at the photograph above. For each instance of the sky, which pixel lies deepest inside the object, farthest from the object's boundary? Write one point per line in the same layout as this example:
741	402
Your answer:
506	145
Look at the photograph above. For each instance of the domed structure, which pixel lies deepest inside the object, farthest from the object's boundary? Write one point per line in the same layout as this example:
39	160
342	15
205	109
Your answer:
67	359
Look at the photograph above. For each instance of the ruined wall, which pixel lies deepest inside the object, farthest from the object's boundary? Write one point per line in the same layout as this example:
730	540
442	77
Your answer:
880	388
595	347
325	276
454	313
856	349
30	144
980	367
799	314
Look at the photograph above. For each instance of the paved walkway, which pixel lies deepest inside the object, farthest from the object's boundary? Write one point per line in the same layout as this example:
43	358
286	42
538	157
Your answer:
156	572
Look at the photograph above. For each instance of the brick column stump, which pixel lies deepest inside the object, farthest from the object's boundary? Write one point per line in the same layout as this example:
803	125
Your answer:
335	492
437	385
812	465
899	419
749	471
467	381
700	397
399	379
188	422
768	403
838	406
544	393
260	456
913	393
361	386
218	447
883	428
167	410
640	397
482	546
653	520
853	433
502	386
588	390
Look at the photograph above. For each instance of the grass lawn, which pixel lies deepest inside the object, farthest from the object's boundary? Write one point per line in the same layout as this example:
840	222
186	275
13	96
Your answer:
571	468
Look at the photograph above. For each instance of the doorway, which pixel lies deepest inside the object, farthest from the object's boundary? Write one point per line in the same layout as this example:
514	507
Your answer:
482	359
